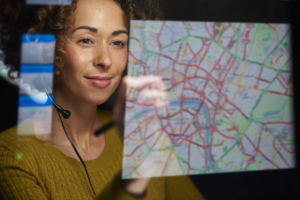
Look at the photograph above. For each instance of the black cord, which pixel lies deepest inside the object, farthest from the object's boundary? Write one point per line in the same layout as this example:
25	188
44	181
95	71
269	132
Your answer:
104	128
76	152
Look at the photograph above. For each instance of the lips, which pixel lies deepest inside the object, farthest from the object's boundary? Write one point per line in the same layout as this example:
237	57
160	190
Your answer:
99	81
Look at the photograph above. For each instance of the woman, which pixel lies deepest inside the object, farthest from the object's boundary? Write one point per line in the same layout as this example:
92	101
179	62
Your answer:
91	56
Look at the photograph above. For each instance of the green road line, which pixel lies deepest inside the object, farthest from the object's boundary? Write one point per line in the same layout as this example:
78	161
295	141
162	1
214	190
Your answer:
187	28
179	40
159	53
278	44
217	161
191	168
137	72
173	151
233	30
286	63
281	139
165	149
237	41
144	35
253	39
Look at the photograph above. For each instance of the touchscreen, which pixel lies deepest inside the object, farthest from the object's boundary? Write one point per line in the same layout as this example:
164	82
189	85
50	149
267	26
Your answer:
207	97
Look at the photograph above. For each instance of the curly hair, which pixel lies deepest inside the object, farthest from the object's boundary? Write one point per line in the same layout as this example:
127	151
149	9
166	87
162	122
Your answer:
17	18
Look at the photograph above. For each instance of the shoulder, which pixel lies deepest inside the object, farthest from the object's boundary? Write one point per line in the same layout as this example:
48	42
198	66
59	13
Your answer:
8	135
19	136
11	140
16	149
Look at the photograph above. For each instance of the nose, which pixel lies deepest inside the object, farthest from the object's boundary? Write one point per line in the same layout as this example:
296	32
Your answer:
102	57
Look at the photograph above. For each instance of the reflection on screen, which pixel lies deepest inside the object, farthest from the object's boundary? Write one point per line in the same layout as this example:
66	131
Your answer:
229	98
48	2
36	79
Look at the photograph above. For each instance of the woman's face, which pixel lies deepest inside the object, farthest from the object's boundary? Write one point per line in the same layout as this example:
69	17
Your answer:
96	51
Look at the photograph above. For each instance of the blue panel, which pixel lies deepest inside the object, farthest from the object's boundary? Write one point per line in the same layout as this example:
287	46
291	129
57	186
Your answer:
48	2
36	69
37	38
34	101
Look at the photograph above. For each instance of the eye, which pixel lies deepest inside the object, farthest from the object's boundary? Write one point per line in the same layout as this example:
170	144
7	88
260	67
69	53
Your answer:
85	41
119	44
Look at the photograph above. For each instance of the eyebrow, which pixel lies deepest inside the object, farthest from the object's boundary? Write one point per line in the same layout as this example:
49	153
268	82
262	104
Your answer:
95	30
119	32
86	27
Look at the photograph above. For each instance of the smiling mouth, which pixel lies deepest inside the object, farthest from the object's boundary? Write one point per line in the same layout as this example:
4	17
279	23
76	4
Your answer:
99	81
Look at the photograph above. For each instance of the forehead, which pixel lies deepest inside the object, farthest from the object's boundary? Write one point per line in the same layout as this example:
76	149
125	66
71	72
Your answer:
101	14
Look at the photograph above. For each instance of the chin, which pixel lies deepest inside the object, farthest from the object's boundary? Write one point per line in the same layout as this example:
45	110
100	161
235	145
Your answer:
96	100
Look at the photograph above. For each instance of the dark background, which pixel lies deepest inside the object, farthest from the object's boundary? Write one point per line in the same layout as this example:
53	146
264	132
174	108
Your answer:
268	184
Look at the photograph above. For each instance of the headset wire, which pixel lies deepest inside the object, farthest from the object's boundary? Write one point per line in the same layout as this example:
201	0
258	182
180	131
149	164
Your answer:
76	151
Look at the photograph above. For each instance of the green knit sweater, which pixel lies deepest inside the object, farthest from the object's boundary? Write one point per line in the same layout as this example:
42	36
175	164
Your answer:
33	169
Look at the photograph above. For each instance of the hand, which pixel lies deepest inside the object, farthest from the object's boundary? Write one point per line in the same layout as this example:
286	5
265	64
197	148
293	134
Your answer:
155	93
149	88
135	187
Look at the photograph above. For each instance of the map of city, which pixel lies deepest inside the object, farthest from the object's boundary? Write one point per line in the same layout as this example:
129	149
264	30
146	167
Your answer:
208	97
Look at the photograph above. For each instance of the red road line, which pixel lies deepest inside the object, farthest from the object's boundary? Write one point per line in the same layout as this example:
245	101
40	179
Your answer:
211	145
167	161
225	136
159	34
134	150
261	69
259	139
283	85
137	128
273	143
278	122
209	33
264	80
157	139
262	153
285	81
291	152
288	95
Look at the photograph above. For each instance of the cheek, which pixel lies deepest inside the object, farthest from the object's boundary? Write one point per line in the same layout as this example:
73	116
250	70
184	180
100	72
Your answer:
121	62
75	60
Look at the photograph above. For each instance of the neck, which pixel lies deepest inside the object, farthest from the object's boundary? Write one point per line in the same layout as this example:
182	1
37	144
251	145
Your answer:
81	125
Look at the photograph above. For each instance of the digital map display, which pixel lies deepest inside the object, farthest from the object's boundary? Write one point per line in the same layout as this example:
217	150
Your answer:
209	97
